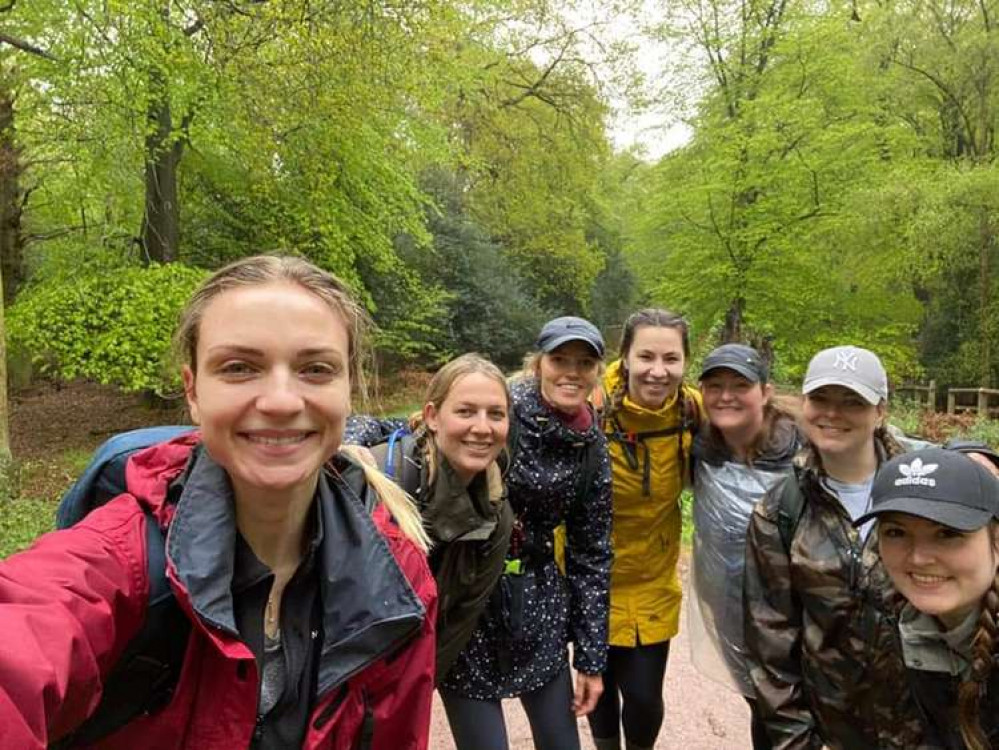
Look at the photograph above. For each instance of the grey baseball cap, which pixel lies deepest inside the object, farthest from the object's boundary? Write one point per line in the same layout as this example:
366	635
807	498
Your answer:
570	328
739	358
852	367
937	484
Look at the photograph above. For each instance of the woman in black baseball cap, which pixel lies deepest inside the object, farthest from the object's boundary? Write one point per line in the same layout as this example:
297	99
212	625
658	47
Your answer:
937	515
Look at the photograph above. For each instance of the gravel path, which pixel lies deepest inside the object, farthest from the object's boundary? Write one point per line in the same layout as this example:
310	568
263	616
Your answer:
700	714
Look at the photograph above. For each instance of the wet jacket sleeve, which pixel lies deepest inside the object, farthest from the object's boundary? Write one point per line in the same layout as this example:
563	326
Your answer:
68	605
401	703
588	560
773	632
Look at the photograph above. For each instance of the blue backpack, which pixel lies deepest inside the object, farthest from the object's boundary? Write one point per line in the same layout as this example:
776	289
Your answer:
143	679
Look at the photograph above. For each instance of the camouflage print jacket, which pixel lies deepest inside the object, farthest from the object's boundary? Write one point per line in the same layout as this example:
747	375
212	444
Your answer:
816	633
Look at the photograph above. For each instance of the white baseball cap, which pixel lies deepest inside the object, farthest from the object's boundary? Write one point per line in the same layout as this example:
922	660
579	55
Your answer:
852	367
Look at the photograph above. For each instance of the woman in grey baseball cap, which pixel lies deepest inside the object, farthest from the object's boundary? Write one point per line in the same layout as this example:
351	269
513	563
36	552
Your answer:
938	537
806	587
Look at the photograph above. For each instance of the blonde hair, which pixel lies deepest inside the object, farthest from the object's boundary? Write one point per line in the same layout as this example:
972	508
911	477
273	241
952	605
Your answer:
396	501
439	388
269	269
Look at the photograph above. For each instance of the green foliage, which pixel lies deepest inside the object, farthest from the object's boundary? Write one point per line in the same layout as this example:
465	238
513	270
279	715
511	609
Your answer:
21	522
114	328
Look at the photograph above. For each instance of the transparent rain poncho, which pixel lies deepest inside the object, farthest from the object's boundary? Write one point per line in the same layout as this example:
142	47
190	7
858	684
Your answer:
724	496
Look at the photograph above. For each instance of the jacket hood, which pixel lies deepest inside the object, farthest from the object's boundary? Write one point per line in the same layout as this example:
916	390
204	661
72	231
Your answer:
778	452
352	557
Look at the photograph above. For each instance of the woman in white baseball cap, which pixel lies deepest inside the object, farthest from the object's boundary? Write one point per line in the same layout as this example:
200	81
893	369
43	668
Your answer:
807	592
938	537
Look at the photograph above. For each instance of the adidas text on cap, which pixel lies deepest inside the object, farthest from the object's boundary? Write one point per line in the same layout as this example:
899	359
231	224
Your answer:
936	484
852	367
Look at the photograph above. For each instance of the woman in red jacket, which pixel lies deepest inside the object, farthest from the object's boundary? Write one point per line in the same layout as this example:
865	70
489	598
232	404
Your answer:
304	589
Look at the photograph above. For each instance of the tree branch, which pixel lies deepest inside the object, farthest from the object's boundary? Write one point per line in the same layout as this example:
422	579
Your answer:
25	46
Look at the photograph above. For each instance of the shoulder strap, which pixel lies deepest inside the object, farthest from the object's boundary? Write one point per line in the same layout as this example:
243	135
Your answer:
393	458
144	677
790	506
391	461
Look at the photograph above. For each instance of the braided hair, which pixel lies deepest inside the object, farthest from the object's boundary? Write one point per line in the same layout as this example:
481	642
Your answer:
973	686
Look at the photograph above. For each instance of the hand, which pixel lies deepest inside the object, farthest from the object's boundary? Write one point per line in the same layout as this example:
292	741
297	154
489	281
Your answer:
588	690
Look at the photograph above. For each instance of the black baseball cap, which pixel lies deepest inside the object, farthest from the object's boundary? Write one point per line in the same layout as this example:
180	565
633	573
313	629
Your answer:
936	484
570	328
740	358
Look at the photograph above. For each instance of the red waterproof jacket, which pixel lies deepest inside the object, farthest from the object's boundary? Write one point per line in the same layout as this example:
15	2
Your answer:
70	604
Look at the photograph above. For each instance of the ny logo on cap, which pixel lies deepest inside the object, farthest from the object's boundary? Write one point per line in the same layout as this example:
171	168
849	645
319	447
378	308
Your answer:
916	473
846	360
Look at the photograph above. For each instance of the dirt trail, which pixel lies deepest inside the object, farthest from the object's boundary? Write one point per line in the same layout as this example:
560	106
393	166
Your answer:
700	714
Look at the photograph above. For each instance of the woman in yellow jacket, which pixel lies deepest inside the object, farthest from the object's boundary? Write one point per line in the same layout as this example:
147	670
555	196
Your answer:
650	421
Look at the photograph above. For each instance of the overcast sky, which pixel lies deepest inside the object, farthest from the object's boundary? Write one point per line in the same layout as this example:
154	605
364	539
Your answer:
658	129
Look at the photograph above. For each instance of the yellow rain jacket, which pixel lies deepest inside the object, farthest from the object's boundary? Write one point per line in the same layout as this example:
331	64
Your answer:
647	479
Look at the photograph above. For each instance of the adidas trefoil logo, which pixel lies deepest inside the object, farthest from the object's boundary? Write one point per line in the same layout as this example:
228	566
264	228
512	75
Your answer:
916	473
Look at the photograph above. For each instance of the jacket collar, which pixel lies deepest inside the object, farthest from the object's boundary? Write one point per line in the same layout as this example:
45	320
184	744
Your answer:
539	420
368	605
452	511
783	442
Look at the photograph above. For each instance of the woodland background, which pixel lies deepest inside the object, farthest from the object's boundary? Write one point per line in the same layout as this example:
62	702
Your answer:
452	161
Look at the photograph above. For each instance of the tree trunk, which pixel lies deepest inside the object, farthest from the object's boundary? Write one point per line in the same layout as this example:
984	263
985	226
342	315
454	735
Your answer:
985	241
161	218
5	455
732	330
11	239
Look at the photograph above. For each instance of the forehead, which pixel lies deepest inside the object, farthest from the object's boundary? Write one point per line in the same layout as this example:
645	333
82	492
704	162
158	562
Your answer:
268	316
476	386
835	393
657	338
909	521
725	375
575	349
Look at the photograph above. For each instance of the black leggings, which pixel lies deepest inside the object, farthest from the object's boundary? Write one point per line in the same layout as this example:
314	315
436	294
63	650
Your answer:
637	674
479	725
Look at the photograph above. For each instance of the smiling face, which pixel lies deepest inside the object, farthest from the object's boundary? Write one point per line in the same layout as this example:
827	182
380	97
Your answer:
471	424
272	388
654	363
839	422
941	571
567	375
734	404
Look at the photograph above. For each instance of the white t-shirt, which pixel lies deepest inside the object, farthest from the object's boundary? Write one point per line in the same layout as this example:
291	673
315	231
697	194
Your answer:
856	498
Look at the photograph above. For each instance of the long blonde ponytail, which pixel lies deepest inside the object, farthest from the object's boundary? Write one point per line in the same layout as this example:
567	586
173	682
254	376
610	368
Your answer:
392	496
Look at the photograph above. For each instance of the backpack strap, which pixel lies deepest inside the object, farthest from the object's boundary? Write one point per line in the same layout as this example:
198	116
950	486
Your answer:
143	679
790	507
394	460
390	457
